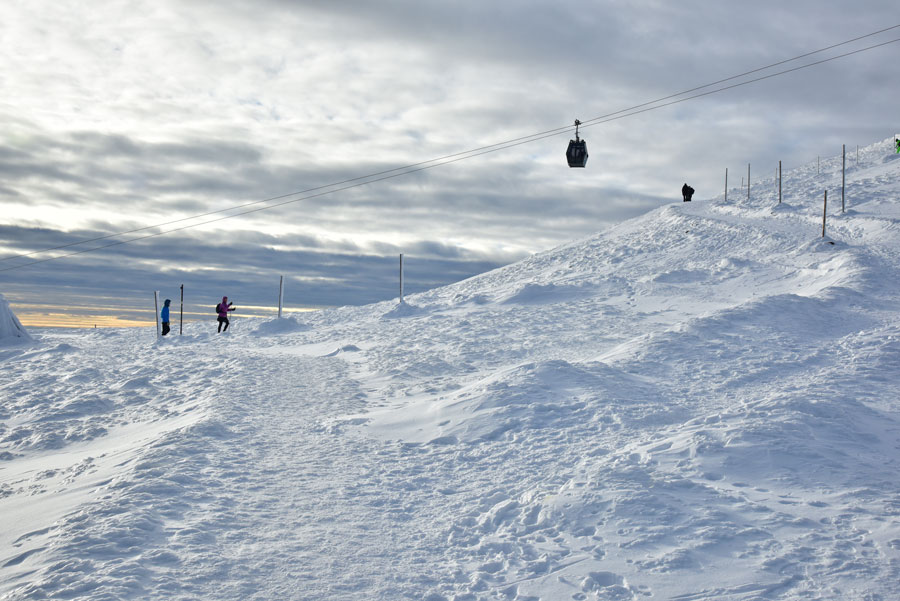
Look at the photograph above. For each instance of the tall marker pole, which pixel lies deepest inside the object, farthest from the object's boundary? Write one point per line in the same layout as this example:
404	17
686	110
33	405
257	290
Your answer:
156	304
401	278
843	173
748	181
779	182
824	213
181	320
726	184
280	296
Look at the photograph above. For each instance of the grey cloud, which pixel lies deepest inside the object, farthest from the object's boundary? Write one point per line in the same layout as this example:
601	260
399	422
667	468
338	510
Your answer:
241	266
29	167
195	150
9	192
331	91
110	169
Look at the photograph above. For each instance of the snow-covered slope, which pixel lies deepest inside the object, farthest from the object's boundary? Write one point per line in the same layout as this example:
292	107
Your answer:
699	404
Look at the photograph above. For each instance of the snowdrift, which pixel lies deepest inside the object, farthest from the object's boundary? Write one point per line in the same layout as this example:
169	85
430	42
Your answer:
11	329
279	326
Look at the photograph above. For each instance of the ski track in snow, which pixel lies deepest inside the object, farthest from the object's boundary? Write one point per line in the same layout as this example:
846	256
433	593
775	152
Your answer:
700	404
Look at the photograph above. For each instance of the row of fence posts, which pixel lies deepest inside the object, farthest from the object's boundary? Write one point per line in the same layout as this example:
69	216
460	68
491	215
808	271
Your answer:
280	302
778	177
181	311
824	214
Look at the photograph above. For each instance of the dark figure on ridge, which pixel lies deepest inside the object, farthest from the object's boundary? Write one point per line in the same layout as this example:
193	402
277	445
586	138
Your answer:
687	192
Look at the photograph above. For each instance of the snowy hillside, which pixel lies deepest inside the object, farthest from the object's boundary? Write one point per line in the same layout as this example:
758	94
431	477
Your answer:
700	404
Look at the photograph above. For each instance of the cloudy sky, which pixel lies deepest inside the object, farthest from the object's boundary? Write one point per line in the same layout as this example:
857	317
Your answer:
121	115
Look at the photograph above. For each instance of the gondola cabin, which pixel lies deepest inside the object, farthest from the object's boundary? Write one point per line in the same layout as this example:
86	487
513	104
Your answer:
577	153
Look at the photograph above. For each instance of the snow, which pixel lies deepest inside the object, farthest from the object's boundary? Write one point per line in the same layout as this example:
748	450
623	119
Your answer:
11	329
279	326
699	404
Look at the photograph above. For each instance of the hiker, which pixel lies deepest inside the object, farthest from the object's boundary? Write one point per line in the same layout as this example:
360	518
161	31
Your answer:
222	309
164	316
687	192
897	144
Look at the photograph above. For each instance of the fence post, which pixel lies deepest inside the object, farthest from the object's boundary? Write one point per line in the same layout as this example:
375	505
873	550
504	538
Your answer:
181	315
156	305
824	213
843	173
280	295
779	182
401	278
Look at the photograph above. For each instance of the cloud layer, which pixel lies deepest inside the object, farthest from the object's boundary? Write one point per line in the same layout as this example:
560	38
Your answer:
146	113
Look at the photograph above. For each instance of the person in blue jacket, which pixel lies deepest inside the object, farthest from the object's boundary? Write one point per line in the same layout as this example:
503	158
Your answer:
164	316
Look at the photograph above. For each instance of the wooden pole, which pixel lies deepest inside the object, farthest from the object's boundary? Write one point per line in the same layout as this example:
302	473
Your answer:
748	181
156	304
726	184
401	278
779	182
824	213
843	173
280	296
181	317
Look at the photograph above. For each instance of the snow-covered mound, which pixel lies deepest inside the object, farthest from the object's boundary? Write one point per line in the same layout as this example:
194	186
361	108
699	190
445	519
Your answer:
11	329
279	326
403	309
702	403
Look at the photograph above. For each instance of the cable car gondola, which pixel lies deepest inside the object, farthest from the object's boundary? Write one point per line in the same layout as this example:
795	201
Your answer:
577	153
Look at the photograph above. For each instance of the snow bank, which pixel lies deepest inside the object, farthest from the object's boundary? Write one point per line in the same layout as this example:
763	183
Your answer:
11	329
280	326
403	309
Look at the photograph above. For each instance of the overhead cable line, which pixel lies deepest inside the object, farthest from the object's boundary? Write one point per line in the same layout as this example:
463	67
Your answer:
451	158
752	71
601	120
529	138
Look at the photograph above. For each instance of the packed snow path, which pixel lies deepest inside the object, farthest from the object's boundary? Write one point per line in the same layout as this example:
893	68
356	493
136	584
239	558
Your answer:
700	404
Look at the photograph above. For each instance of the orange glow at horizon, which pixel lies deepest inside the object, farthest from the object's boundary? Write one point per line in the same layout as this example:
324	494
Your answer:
73	320
50	318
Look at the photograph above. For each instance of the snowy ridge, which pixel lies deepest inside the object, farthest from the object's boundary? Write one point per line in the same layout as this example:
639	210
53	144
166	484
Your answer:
699	404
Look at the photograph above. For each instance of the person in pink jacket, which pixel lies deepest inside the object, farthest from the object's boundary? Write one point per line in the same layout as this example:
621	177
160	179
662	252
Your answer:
223	308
